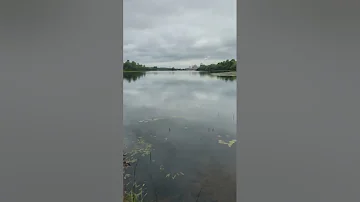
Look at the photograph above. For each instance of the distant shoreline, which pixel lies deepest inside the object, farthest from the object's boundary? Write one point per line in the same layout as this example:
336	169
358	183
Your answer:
224	74
135	71
233	73
159	70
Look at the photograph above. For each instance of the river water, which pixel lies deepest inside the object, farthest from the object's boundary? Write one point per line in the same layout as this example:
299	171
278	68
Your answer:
187	123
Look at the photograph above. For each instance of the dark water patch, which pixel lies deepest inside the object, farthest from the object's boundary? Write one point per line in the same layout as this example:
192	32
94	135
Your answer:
190	150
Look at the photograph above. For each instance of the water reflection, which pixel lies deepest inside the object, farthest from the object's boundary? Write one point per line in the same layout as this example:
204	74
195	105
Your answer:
133	76
180	129
224	78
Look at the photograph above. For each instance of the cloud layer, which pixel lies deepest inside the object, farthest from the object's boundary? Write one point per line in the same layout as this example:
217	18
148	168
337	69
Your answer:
179	33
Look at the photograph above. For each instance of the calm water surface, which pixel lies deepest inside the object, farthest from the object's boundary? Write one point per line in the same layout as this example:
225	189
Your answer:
189	119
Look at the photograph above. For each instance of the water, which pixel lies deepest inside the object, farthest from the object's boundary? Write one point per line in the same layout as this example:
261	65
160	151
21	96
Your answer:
184	117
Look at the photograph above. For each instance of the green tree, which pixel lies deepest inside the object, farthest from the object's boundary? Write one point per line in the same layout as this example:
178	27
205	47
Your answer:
223	66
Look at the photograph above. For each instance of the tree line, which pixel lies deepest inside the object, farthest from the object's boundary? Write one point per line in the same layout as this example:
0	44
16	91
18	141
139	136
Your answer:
224	66
134	66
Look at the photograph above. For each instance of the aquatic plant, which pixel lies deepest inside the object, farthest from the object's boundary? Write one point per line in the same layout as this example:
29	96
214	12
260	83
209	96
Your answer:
141	147
229	144
136	192
173	176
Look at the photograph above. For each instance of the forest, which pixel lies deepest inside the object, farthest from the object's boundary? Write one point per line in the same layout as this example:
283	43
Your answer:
224	66
134	66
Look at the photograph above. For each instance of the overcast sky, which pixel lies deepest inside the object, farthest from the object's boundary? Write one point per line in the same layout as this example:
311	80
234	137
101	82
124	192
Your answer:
179	33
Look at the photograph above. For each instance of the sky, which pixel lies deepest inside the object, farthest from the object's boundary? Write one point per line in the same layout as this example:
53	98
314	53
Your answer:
179	33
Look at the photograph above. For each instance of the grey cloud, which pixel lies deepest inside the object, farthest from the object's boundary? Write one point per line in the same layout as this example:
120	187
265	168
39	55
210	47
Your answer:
175	33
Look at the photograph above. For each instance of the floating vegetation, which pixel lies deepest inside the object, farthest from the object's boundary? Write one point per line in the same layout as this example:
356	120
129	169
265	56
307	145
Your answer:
136	194
126	176
141	148
173	176
229	144
149	120
157	119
